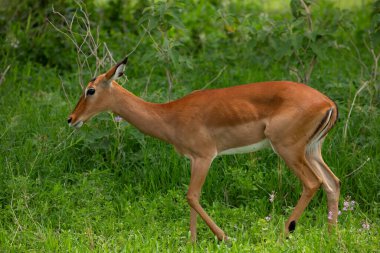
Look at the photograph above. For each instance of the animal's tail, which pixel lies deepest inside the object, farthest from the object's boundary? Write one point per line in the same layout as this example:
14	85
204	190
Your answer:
326	124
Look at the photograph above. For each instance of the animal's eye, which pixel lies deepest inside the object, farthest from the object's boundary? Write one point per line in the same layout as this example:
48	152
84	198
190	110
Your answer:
90	91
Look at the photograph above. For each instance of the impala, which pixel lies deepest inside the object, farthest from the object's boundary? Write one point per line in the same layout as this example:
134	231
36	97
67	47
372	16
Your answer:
291	118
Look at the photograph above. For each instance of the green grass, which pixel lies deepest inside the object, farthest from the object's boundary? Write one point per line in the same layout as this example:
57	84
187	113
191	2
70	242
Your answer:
157	224
109	188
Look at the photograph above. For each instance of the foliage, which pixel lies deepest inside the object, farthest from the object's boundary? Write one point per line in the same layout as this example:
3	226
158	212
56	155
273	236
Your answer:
108	187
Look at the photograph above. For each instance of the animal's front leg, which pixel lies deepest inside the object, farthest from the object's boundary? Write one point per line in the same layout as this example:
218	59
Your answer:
193	224
199	170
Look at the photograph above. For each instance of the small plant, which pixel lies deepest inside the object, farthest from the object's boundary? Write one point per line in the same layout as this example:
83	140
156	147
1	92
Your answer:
79	30
366	225
272	197
163	24
348	204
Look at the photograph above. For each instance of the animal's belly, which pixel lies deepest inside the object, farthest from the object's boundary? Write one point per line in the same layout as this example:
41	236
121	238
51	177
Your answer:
247	149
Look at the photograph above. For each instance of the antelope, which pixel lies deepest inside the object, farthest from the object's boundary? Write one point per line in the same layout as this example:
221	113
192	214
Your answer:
291	118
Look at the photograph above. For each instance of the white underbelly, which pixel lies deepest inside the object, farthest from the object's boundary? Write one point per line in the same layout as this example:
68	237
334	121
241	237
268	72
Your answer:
247	149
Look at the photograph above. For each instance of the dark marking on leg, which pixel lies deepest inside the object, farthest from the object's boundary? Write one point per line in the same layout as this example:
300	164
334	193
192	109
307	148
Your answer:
292	226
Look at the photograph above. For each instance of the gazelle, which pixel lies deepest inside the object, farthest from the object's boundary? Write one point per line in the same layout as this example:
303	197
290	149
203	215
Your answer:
291	118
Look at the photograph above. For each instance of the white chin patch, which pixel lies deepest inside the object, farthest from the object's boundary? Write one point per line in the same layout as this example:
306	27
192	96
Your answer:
79	124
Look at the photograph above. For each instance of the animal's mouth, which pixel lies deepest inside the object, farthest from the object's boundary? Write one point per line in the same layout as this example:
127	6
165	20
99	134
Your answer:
77	125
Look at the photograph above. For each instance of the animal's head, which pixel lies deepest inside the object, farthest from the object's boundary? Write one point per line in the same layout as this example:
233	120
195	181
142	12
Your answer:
97	96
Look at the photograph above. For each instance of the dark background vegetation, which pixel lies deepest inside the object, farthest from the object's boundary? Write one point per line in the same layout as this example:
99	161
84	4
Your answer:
63	186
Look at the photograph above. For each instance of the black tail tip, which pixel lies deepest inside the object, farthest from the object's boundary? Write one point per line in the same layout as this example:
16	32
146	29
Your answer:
125	60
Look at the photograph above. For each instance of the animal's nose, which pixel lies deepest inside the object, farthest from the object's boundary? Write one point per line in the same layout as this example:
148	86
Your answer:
69	120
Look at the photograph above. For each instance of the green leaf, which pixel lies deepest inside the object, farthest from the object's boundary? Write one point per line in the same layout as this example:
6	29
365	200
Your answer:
317	50
153	23
177	24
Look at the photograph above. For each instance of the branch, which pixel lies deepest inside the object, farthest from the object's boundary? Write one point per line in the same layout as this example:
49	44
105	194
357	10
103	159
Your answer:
361	166
365	84
2	76
170	88
295	72
215	78
313	61
308	13
64	91
86	38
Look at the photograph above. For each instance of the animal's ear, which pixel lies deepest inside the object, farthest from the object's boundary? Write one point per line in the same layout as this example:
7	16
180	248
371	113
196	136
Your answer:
117	70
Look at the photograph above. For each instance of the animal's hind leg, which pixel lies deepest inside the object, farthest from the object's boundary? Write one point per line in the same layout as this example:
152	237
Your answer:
330	182
295	158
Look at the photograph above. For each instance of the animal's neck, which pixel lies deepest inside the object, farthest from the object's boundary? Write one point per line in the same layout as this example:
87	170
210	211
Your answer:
149	118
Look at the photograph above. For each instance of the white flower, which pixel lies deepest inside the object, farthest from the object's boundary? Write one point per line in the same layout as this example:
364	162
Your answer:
15	43
352	204
118	119
348	205
272	196
365	225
